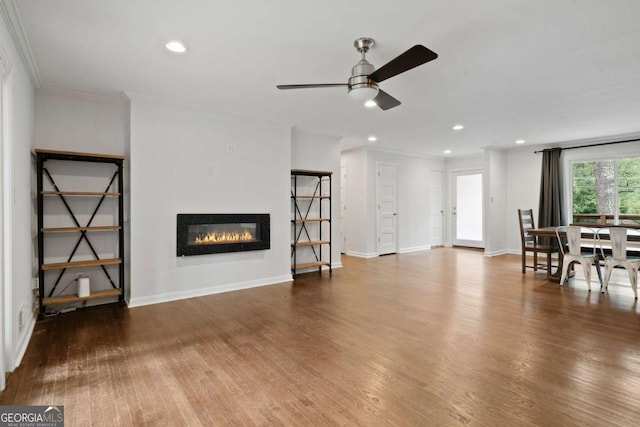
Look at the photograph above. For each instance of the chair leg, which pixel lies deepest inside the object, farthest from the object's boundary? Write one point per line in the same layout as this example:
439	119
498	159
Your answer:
607	275
565	270
535	261
633	278
524	260
548	265
599	271
586	267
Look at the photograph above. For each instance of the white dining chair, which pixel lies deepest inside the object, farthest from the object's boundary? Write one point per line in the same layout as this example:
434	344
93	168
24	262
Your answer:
618	257
575	254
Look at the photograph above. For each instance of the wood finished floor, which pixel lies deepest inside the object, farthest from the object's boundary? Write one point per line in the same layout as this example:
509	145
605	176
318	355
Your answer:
442	337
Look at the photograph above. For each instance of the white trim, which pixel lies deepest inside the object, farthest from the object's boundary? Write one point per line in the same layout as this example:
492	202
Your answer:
174	296
496	253
9	12
362	254
6	345
118	99
415	249
24	343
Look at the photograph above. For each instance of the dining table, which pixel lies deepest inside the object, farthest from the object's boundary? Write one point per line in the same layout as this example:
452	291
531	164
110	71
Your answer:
588	233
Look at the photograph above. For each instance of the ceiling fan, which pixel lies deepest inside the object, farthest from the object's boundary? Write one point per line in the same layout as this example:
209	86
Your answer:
363	83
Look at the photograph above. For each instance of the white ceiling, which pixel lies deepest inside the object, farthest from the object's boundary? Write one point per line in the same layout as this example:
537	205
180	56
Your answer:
542	70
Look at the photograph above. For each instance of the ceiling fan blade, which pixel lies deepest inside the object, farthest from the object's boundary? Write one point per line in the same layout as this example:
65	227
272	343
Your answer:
413	57
385	101
312	86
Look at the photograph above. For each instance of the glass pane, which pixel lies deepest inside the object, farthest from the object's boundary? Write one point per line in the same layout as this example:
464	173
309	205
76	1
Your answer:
469	207
629	190
594	197
213	234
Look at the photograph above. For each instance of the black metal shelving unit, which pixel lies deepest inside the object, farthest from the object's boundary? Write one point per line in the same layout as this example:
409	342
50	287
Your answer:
311	220
47	292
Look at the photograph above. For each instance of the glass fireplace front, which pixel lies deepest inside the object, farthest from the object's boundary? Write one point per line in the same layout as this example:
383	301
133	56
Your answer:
199	234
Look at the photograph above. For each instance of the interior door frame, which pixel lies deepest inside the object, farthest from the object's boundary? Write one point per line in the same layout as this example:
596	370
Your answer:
454	192
441	189
378	213
344	177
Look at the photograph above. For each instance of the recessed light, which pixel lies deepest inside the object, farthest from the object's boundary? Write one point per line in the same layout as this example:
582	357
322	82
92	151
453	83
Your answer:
370	103
447	151
372	139
520	141
458	127
175	46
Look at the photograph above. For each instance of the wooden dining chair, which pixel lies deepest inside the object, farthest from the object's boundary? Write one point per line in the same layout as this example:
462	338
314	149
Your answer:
575	253
530	243
619	257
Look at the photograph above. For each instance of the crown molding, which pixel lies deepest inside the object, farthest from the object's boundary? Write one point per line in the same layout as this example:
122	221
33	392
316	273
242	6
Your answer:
119	98
9	12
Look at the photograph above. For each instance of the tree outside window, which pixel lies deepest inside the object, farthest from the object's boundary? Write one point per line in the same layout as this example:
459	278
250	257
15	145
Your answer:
607	191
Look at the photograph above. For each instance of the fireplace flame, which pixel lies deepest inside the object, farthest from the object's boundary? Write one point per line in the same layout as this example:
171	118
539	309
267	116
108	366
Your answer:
215	237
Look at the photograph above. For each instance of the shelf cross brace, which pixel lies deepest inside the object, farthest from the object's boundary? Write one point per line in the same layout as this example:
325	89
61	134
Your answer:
83	233
303	226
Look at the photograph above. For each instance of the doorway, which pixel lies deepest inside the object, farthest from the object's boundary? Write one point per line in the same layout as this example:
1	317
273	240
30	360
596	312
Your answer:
468	209
387	225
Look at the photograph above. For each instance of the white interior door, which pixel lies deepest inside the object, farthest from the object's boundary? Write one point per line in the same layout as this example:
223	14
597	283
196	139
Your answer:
436	208
387	217
343	209
467	209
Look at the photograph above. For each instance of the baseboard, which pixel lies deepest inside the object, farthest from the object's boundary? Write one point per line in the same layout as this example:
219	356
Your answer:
495	253
174	296
362	254
415	249
24	343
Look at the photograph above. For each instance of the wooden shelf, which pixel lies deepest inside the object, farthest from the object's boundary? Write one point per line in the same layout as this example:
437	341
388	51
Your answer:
310	243
309	215
67	299
310	265
78	154
79	193
76	264
70	229
305	172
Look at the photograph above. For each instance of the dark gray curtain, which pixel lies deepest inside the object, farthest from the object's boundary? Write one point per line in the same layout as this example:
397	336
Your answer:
550	207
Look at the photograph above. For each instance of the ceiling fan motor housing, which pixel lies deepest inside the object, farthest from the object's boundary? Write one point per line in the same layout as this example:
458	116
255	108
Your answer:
360	76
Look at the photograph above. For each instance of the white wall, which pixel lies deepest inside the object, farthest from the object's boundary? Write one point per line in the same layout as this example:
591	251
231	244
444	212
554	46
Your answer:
18	103
413	208
495	241
75	121
357	195
187	161
523	190
316	152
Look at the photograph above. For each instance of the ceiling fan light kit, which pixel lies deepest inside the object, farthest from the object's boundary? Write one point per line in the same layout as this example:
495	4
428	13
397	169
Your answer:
361	87
363	83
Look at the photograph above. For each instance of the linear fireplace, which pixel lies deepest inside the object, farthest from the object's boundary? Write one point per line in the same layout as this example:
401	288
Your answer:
200	234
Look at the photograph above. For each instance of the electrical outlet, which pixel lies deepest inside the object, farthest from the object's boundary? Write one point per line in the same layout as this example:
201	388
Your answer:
35	283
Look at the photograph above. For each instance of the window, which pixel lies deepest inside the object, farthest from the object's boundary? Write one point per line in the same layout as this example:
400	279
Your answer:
606	191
